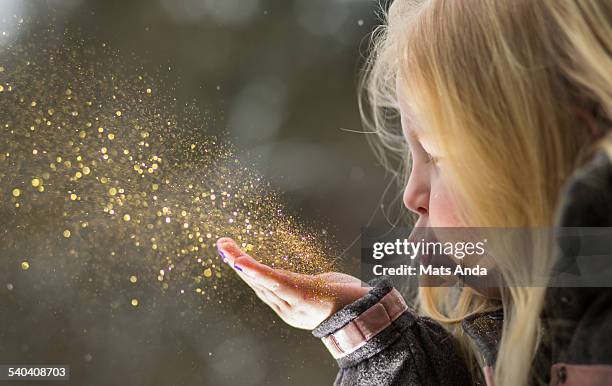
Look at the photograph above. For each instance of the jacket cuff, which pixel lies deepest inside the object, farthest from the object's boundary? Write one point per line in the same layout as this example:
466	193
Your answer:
399	318
381	287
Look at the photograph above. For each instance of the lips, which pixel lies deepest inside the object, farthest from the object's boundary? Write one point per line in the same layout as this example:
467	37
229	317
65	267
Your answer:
422	235
425	258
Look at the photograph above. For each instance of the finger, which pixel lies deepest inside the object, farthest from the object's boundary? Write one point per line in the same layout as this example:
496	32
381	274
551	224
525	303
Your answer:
271	298
274	306
264	295
276	281
228	249
286	286
284	304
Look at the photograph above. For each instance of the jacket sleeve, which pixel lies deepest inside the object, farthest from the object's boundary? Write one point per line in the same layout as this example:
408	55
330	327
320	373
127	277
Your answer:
579	319
412	350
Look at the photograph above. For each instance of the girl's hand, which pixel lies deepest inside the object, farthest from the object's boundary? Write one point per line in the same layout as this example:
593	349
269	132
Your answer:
302	301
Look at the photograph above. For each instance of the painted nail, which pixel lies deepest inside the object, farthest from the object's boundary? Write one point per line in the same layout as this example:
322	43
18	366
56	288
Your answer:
239	268
224	258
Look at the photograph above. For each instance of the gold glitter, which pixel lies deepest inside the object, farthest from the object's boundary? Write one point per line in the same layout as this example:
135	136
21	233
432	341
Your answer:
1	88
133	279
135	302
36	182
179	187
25	265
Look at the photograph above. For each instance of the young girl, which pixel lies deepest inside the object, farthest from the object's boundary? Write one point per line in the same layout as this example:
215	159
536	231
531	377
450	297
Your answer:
501	102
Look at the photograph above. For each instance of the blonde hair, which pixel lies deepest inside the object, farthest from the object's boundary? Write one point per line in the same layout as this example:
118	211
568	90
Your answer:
497	84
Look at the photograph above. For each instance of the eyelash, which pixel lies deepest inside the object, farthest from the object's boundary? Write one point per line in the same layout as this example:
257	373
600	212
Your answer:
431	158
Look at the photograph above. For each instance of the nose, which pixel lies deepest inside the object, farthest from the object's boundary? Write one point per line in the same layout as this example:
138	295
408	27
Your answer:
416	193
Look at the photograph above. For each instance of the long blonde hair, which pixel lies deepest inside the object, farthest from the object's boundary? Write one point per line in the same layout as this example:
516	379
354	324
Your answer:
497	84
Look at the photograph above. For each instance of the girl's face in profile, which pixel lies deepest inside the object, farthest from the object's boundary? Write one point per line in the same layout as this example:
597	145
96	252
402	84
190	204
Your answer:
426	193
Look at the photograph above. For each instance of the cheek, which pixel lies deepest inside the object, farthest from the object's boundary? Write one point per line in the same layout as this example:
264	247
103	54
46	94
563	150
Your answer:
442	211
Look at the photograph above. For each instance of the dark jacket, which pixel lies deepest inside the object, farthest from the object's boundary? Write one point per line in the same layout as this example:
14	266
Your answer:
414	350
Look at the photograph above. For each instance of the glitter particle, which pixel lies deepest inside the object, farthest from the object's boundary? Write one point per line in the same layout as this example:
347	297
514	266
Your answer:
25	265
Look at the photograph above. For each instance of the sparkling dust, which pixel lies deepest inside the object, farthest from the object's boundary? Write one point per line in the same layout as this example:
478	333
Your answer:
149	192
25	265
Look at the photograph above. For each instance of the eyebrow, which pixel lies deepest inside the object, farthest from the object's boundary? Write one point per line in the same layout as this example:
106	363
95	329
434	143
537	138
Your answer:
412	133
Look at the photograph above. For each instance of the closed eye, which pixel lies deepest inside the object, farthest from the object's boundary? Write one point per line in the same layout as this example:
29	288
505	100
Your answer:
431	159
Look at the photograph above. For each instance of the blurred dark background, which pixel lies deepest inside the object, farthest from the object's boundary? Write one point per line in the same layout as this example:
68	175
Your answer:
280	76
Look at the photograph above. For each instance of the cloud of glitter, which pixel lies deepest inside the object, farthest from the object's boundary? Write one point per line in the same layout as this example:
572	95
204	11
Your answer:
97	169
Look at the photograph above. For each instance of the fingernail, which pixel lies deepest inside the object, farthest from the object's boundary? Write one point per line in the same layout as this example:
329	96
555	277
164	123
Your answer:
224	258
239	268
